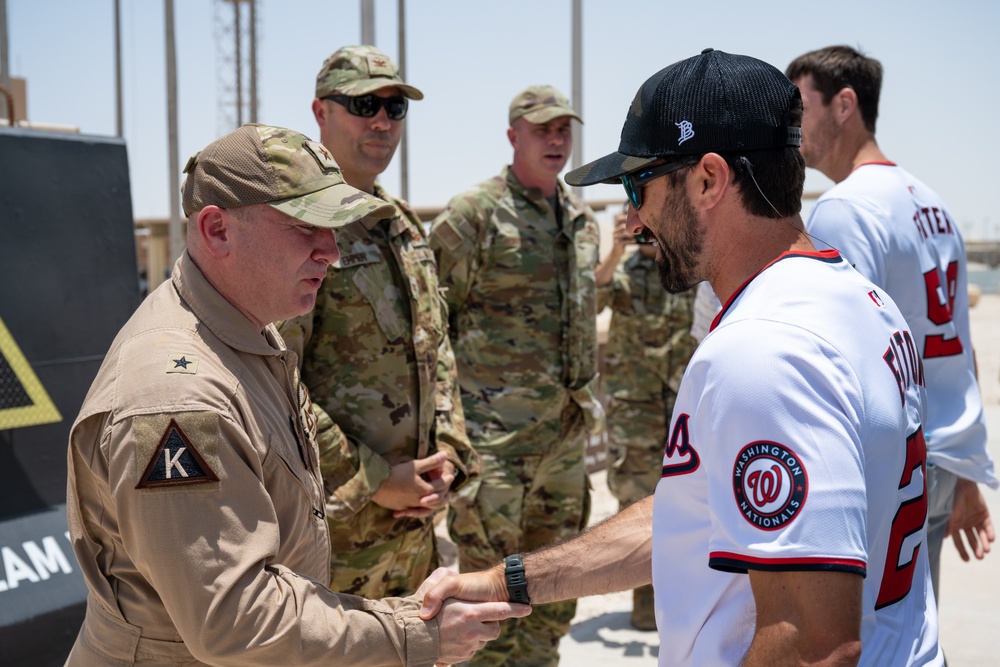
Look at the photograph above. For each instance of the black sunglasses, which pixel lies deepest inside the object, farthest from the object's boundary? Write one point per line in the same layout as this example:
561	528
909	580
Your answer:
367	106
634	182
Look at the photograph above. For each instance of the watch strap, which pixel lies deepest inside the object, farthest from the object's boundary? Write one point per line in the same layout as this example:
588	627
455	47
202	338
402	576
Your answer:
517	582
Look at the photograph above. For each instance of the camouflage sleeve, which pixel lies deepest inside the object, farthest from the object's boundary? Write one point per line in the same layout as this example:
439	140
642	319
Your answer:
617	294
455	240
352	472
449	418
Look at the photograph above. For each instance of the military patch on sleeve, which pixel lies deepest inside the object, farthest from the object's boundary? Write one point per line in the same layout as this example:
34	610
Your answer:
449	236
182	363
175	462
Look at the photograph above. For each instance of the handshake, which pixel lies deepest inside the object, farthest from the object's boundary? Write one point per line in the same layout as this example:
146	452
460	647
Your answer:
469	608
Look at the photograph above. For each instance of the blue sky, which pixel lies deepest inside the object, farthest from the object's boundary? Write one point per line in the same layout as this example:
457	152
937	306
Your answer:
940	95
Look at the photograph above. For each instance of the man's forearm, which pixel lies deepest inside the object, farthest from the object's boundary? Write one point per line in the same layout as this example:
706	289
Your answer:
615	555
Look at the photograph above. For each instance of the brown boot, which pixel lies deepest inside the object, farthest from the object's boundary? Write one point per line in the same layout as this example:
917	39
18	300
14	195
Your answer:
643	611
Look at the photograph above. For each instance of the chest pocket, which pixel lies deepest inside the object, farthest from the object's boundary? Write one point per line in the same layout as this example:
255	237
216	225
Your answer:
506	248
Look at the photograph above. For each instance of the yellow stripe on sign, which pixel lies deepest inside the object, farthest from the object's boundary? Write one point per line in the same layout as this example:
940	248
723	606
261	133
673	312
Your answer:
23	399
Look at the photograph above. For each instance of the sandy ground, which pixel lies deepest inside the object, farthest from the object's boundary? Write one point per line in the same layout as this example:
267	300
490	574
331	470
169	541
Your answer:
970	601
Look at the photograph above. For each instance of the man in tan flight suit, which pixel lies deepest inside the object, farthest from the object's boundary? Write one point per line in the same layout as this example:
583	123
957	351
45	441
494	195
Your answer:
195	503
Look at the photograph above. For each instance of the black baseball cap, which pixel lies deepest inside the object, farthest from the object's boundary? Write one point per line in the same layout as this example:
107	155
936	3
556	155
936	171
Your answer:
715	102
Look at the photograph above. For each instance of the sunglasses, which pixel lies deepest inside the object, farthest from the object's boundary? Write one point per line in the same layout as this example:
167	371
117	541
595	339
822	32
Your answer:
367	106
635	181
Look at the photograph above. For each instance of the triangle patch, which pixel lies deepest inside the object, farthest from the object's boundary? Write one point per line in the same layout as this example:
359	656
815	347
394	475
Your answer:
175	462
23	399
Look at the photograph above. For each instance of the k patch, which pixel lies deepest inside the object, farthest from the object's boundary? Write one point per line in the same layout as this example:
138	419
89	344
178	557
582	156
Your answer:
770	484
176	461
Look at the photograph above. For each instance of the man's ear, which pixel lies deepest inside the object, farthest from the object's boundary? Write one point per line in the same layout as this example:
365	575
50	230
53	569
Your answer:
512	136
214	230
709	181
844	104
319	112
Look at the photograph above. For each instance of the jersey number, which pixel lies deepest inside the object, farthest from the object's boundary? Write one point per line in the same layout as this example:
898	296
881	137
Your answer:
940	313
898	579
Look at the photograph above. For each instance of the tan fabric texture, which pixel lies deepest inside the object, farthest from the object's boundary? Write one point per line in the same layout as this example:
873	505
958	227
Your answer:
222	558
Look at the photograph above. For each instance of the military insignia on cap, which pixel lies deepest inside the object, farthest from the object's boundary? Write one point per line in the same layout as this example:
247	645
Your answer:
182	363
379	65
770	484
175	462
322	155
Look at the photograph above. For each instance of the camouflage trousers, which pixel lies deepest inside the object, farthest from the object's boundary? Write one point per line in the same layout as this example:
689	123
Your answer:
637	432
392	566
515	506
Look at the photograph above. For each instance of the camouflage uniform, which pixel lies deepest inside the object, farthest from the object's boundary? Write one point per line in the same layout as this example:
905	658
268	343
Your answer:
521	293
376	358
649	345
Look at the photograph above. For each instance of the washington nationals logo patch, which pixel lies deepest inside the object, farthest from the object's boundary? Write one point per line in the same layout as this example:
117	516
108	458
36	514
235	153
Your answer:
770	484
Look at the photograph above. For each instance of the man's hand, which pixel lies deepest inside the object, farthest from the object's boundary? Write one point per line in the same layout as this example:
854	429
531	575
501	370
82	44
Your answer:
417	487
487	586
970	515
466	627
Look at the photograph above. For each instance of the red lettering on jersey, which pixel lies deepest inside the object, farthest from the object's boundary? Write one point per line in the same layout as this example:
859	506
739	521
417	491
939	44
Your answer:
907	367
679	457
940	306
897	576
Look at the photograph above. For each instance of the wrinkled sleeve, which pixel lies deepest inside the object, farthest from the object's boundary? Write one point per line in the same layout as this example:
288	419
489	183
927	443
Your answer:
209	551
455	240
449	418
616	295
352	472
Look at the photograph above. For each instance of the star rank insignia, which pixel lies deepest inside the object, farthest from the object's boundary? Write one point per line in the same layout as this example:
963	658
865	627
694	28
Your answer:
182	363
175	462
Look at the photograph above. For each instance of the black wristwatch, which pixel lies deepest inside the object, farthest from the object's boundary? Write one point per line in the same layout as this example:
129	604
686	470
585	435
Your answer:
517	583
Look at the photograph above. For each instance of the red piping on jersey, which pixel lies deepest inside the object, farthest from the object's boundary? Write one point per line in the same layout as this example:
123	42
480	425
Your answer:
830	255
877	163
843	562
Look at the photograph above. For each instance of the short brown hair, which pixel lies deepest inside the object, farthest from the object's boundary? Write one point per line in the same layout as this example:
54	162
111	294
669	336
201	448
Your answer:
837	67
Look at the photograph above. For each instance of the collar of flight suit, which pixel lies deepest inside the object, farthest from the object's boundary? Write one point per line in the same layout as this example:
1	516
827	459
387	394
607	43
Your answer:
223	318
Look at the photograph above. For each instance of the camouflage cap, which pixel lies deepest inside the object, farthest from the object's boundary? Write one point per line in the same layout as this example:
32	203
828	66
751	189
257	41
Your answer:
540	104
359	70
259	164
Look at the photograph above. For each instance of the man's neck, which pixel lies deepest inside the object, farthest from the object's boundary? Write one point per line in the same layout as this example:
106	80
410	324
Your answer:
546	185
855	153
742	256
355	180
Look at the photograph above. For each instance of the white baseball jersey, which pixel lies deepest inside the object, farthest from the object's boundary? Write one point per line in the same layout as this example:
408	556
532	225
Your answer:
897	233
796	444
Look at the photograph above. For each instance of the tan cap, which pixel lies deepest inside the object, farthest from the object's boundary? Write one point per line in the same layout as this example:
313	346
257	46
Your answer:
540	104
359	70
260	164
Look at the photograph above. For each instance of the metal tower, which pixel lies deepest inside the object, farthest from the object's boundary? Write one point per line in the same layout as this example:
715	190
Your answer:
236	57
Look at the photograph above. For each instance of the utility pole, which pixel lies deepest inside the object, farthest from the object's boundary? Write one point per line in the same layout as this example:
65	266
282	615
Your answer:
404	156
368	22
119	117
176	242
4	70
253	61
577	93
239	64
